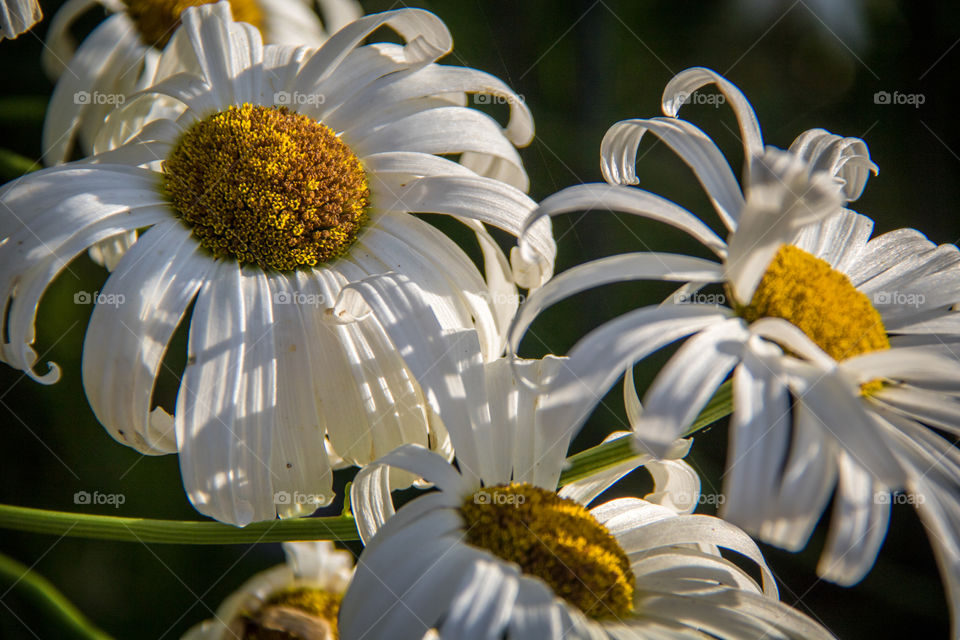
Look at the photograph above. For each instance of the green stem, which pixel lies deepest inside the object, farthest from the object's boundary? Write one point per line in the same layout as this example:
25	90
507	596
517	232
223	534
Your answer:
23	110
13	165
77	525
342	528
47	599
610	454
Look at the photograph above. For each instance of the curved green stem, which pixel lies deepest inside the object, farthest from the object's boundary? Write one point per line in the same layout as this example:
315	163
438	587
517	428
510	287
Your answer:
78	525
342	528
47	599
610	454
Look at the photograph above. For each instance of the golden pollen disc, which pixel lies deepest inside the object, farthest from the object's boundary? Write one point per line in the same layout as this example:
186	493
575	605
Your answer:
156	20
267	186
819	300
556	540
302	613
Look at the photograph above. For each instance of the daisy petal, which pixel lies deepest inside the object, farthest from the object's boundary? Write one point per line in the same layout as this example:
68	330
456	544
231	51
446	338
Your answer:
839	239
513	406
426	36
783	196
676	485
805	485
687	383
618	157
759	438
535	613
483	603
114	40
441	130
587	490
298	457
125	342
17	16
599	359
339	13
226	52
59	47
478	198
858	526
848	159
842	417
681	86
227	399
605	197
291	23
52	227
370	492
435	80
445	363
619	268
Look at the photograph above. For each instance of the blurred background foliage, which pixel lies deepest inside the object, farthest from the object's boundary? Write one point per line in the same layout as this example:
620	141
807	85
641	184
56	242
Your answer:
581	65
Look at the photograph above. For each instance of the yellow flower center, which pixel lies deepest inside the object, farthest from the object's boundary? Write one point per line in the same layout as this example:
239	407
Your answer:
822	302
301	613
158	19
267	186
556	540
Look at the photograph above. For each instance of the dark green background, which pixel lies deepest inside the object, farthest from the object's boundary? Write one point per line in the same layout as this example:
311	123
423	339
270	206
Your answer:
582	66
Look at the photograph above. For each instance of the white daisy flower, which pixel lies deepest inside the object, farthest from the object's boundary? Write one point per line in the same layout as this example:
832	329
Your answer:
258	216
17	16
841	346
495	552
300	598
122	55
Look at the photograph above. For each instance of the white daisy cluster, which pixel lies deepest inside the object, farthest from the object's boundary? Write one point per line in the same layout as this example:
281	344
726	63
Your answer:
258	177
